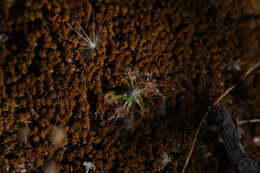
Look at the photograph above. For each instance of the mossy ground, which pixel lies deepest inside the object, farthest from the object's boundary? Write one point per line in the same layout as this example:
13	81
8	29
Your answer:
47	82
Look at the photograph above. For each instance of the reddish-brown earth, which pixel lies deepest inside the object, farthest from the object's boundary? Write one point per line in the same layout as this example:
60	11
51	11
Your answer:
48	84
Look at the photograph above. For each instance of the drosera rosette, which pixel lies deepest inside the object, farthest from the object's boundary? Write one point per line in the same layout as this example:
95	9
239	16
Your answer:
164	160
89	166
137	98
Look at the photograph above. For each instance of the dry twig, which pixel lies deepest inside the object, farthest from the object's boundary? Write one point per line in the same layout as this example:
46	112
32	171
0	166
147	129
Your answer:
248	121
207	113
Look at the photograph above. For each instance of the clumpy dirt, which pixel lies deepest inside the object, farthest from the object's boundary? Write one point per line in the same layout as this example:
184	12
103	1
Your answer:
48	83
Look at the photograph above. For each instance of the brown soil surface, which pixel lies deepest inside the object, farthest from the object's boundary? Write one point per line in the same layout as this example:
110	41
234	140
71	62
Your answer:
48	83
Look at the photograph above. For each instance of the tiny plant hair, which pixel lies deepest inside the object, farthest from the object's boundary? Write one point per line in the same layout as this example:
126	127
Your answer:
89	41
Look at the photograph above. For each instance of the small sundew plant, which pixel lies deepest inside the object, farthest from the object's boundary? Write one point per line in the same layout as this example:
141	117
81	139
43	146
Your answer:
132	100
89	41
89	166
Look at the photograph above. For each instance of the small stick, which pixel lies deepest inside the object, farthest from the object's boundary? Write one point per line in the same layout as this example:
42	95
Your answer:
235	150
248	121
207	113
